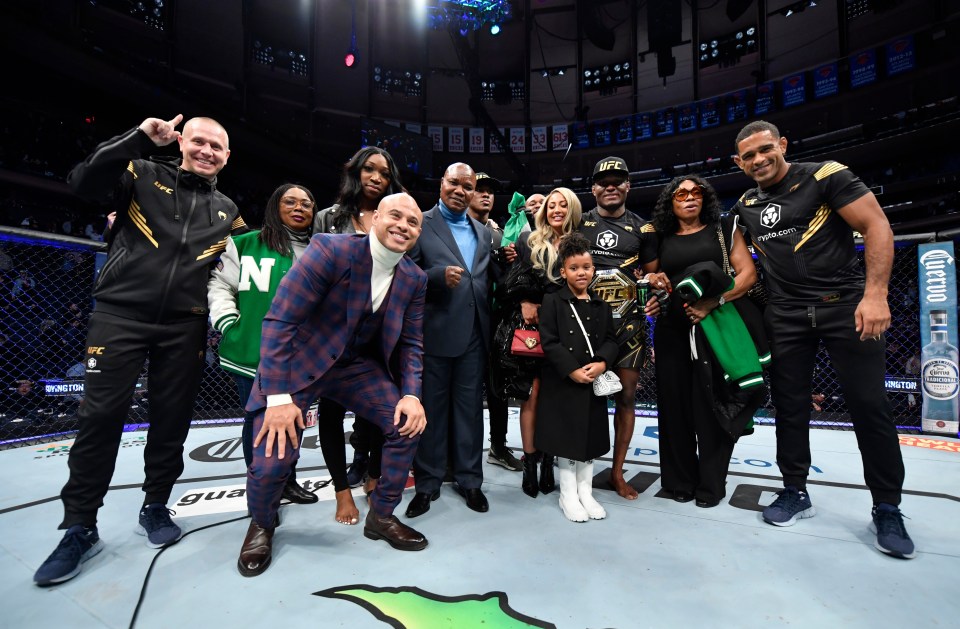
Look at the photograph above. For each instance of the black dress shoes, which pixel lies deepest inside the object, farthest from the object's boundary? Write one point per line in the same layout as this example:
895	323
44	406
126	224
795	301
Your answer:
707	504
294	492
420	503
257	550
475	499
682	496
393	531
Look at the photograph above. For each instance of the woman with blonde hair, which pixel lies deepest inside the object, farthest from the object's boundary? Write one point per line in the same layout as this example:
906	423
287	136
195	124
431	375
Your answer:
535	273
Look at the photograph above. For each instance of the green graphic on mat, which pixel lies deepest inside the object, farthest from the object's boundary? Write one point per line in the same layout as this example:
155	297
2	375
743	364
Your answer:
413	608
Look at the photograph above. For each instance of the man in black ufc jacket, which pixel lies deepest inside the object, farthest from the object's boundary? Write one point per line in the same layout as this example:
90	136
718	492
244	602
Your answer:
151	304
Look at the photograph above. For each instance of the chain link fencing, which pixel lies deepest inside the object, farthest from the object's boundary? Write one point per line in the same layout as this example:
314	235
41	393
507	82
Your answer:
45	300
46	282
827	408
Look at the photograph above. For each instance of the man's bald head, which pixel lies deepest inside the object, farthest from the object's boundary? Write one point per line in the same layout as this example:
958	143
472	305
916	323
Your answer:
397	222
457	187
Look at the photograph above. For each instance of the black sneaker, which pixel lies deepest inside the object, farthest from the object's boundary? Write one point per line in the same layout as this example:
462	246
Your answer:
791	505
357	471
78	544
503	456
156	524
892	537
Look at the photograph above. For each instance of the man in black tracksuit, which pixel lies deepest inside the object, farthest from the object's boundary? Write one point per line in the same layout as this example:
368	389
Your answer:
151	304
801	218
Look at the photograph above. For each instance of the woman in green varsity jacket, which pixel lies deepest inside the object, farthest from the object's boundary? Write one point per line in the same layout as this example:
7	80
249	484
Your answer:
695	449
239	294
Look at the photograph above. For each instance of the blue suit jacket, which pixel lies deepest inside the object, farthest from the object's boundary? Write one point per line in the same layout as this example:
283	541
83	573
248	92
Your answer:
317	311
451	313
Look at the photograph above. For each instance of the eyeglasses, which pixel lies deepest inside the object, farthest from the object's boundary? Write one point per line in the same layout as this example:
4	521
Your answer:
681	194
290	203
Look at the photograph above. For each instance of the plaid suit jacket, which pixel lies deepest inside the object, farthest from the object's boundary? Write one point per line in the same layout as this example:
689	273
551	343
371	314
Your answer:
317	311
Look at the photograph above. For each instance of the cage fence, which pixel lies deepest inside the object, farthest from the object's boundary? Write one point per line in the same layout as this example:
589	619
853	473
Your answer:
46	298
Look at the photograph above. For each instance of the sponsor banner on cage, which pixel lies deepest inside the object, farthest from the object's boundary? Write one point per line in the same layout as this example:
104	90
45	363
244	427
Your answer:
69	387
897	384
939	369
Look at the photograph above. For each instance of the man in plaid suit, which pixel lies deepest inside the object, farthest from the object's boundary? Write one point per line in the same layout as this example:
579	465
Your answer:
346	324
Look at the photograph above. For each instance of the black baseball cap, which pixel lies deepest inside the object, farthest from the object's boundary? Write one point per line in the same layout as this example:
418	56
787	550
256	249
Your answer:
610	166
483	179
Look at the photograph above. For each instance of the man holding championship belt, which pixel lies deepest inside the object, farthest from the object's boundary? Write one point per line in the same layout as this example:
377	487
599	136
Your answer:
620	243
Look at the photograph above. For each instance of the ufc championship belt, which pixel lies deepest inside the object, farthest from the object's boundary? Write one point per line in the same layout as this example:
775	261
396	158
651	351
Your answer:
614	287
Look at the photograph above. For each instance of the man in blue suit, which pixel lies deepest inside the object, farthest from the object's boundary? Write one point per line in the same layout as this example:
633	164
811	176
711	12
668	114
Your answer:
454	250
346	324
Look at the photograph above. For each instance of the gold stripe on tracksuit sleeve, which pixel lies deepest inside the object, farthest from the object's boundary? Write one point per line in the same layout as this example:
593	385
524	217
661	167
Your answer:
828	169
215	249
141	222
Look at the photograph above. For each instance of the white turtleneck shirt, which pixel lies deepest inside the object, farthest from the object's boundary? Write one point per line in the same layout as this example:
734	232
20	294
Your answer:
384	266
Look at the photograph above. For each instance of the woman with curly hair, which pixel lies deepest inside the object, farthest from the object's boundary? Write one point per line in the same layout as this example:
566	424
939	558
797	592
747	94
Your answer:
535	272
695	448
238	305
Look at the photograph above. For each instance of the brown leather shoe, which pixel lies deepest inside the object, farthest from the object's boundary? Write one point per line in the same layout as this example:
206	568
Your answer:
257	550
393	531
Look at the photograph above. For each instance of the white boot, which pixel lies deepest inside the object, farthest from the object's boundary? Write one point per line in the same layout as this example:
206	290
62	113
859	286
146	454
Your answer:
585	491
569	501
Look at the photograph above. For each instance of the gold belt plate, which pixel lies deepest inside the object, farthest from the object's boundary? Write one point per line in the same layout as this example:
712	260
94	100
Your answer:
614	287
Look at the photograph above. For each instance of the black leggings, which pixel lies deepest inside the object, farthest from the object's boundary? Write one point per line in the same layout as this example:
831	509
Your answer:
366	439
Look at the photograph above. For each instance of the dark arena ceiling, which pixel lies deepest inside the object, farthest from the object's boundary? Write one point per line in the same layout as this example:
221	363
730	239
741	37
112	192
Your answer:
274	71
